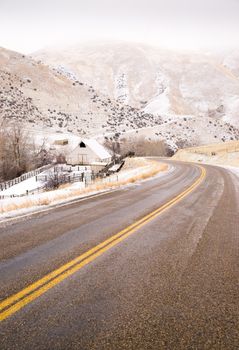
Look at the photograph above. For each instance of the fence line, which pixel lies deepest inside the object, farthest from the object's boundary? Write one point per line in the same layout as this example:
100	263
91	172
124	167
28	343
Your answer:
5	185
65	178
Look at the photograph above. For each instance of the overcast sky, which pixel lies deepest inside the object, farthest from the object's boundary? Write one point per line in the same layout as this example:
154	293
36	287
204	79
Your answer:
29	25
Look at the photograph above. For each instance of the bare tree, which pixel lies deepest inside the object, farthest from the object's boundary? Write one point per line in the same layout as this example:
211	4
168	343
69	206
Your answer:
141	146
42	155
18	153
113	146
54	180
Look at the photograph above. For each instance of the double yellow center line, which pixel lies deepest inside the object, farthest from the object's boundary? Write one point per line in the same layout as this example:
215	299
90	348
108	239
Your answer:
17	301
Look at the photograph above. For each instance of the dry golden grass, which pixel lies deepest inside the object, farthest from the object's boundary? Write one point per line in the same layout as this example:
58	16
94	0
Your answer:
63	186
14	206
132	163
43	201
224	153
150	169
99	185
223	147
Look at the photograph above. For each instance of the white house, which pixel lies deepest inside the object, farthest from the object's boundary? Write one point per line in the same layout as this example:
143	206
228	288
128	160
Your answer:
88	151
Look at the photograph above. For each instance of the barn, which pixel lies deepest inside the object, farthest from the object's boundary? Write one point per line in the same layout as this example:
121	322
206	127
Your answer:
88	152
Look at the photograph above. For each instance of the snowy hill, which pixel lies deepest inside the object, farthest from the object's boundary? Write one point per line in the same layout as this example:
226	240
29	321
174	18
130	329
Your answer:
155	80
104	92
55	100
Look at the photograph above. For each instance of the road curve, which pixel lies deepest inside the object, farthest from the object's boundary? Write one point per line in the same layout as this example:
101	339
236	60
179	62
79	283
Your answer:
169	280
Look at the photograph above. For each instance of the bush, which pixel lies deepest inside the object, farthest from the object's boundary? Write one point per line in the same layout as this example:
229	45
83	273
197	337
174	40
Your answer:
15	152
18	153
54	181
138	146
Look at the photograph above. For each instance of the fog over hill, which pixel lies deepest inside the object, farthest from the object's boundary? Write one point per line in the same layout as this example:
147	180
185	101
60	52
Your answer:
122	90
41	96
156	80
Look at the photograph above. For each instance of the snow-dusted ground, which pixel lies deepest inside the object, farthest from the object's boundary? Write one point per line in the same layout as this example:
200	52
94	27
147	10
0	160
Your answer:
35	183
121	88
223	154
21	188
200	83
35	202
159	104
12	207
233	169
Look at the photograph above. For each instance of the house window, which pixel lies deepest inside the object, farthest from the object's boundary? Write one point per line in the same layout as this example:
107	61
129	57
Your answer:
82	145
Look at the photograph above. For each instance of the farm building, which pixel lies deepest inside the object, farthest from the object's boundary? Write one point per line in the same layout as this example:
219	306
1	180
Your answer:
61	142
88	151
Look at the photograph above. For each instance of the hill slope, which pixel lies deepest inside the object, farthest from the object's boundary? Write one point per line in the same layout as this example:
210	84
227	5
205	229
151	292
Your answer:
155	80
40	96
221	154
48	100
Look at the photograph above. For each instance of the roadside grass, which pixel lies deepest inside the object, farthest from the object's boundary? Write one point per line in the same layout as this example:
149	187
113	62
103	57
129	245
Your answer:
147	170
224	153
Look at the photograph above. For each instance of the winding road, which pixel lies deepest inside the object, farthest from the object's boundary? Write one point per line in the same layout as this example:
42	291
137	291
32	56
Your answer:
150	266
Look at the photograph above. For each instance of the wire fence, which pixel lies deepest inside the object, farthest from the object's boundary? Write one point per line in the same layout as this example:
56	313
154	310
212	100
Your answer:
212	151
63	174
63	179
5	185
27	193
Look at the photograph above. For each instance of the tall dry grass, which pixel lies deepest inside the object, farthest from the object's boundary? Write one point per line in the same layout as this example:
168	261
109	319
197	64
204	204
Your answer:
151	168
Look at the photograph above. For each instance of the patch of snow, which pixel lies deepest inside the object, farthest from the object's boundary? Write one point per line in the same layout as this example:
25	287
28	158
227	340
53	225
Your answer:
66	72
22	187
159	104
161	82
121	88
233	169
232	108
65	193
231	61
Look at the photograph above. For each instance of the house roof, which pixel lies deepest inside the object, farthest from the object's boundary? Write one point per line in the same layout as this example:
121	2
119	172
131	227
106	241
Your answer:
97	148
74	142
94	145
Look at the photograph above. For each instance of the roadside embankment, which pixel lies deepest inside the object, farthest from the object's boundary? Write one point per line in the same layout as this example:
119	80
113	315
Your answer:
134	170
225	153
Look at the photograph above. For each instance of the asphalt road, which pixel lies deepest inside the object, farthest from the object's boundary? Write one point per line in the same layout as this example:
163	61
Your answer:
169	282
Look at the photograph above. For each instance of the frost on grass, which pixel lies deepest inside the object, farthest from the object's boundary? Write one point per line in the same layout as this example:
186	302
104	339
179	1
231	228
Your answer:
136	170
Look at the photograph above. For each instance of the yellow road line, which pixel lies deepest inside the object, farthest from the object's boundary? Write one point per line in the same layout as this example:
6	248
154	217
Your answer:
14	303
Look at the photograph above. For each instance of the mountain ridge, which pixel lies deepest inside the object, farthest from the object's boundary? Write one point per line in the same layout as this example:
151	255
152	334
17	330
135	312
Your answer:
35	93
155	80
52	99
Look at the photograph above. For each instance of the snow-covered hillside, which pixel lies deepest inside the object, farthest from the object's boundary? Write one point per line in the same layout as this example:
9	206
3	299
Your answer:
120	91
55	100
231	62
156	80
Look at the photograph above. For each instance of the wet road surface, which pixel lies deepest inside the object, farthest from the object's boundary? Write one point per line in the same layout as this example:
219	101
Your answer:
172	284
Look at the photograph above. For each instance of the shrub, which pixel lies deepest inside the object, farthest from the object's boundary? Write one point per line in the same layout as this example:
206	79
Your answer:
138	146
54	181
